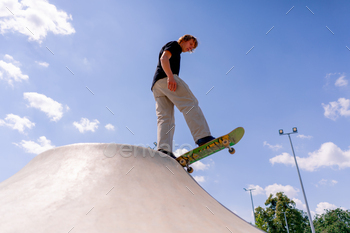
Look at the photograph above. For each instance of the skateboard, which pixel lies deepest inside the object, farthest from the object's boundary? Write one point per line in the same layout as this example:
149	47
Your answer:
211	147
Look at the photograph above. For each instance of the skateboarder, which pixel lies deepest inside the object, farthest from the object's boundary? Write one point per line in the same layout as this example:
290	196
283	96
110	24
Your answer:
169	90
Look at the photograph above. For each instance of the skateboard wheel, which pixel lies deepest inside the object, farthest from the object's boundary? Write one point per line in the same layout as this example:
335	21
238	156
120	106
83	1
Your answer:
183	162
226	143
231	150
189	169
195	156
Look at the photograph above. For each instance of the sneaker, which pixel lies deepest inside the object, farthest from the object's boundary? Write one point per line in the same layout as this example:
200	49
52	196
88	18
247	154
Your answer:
204	140
168	153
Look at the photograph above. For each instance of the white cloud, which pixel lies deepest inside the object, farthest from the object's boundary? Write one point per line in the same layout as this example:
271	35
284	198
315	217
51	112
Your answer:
86	125
109	127
36	148
329	155
199	179
257	189
34	18
199	166
302	136
179	152
341	81
283	158
328	78
326	182
44	64
17	123
288	190
53	109
273	147
333	182
337	108
322	206
299	204
10	71
86	61
292	193
323	182
337	78
8	57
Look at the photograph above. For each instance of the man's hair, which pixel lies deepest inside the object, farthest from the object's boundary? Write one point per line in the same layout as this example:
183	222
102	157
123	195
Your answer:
187	38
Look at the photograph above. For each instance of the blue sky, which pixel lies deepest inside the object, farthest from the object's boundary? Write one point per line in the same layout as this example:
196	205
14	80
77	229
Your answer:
75	72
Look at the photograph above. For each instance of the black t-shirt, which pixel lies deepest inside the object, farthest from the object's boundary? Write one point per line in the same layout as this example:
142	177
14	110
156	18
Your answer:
175	49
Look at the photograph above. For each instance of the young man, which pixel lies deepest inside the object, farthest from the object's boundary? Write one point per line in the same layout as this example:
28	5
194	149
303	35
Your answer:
169	90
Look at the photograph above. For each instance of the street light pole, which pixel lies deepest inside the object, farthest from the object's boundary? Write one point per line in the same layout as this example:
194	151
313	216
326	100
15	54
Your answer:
251	197
301	182
285	218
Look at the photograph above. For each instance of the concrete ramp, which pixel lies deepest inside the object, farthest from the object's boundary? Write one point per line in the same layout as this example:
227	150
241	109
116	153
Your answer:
107	188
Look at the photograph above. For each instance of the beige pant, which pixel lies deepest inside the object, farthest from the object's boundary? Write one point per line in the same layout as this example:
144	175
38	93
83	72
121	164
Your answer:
186	102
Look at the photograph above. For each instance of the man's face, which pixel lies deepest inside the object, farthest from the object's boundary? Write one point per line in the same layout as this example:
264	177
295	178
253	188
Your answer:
188	46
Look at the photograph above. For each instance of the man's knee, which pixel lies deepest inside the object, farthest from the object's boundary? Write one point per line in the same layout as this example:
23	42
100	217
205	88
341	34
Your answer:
188	108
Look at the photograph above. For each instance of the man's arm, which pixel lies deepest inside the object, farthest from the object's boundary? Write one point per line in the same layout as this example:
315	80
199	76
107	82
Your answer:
164	61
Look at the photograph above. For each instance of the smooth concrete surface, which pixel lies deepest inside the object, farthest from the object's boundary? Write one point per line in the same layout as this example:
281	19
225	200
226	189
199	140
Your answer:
105	188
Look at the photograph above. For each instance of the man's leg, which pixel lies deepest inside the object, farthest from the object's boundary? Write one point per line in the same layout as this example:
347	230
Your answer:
187	104
165	121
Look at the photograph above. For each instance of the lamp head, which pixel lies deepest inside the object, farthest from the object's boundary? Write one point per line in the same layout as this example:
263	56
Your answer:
295	130
280	131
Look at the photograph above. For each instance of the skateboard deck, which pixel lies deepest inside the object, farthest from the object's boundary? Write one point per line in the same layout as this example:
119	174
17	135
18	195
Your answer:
209	148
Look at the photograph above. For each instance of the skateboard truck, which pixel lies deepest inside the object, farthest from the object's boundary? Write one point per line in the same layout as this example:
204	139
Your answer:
226	143
184	163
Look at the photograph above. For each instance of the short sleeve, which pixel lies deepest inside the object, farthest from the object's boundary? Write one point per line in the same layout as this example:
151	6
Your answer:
172	47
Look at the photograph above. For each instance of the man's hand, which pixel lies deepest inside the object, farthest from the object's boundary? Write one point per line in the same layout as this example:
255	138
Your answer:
164	60
172	84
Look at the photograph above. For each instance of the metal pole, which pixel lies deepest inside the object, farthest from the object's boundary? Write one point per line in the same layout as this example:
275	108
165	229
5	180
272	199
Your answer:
286	221
251	197
302	188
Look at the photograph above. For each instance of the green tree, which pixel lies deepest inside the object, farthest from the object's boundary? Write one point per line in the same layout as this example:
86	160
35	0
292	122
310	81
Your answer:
271	219
333	221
